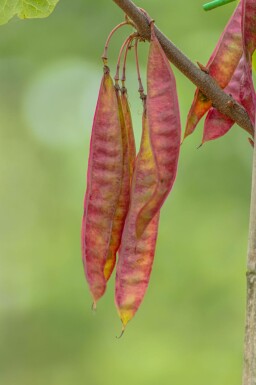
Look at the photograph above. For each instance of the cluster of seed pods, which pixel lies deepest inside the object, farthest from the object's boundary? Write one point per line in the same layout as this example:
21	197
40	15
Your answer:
125	191
230	66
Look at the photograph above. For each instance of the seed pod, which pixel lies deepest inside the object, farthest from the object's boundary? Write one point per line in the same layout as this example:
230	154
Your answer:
249	27
103	186
217	124
124	198
247	93
136	255
164	128
221	67
129	128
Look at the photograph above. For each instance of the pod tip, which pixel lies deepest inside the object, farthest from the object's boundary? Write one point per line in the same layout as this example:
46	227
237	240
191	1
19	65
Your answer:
122	333
94	306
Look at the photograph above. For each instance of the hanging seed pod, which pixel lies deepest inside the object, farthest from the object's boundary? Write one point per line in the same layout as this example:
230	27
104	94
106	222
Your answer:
129	128
249	27
124	198
217	124
164	128
105	170
136	255
220	66
247	93
129	154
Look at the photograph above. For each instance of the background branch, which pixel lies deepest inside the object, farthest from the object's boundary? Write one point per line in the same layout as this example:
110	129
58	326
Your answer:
223	102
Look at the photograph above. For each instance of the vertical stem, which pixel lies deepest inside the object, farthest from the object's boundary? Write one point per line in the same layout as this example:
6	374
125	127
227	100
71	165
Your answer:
125	43
249	373
141	88
129	46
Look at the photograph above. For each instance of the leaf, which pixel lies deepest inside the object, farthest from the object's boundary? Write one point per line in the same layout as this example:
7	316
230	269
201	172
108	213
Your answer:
221	67
25	9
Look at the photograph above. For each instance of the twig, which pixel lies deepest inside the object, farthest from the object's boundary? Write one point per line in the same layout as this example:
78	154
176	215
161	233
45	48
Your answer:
223	102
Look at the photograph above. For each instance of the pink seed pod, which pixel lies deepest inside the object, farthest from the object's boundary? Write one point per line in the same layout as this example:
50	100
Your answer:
136	255
124	198
249	27
129	128
221	67
104	177
216	124
247	92
164	129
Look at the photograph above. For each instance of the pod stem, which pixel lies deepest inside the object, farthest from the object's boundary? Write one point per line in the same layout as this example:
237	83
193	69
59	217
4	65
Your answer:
105	52
141	88
128	47
124	45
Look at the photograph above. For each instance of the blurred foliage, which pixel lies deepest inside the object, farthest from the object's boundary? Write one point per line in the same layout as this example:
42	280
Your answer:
25	9
189	328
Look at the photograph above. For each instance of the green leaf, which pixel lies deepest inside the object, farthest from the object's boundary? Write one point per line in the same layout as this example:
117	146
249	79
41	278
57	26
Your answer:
25	9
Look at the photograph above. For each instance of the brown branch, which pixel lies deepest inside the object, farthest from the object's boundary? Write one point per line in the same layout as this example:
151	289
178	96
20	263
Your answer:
249	372
223	102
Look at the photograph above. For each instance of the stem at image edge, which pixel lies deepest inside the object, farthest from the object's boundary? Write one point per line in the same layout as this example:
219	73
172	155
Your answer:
249	372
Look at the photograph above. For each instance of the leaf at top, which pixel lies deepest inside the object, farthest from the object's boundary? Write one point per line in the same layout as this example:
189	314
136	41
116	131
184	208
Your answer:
25	9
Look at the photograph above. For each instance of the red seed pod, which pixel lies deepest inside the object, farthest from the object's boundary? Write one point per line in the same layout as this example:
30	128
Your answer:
124	198
105	169
136	255
217	124
164	128
247	93
249	27
221	67
129	128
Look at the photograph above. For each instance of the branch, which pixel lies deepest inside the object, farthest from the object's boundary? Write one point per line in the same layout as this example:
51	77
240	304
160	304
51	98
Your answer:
249	372
220	100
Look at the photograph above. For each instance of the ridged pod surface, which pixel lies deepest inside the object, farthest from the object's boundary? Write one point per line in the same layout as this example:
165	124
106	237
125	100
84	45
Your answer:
129	128
249	27
247	93
217	124
221	67
136	255
129	154
104	177
164	129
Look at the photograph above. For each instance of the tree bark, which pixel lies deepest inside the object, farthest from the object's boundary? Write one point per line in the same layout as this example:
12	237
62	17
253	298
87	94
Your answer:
249	374
223	102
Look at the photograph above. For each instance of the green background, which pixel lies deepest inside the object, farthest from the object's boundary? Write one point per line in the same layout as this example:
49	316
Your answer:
189	329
